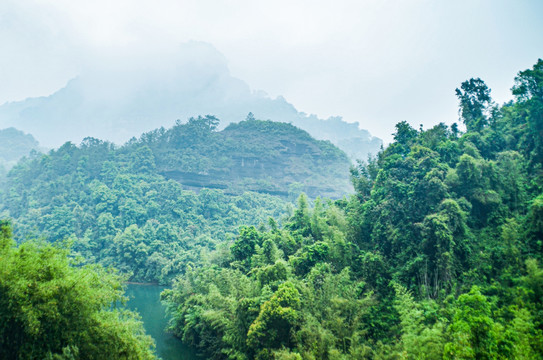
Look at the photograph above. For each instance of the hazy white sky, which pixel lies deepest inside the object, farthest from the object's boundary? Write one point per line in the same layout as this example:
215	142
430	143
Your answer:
377	62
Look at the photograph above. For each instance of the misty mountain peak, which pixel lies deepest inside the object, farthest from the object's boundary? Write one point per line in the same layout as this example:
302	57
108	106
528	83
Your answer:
116	99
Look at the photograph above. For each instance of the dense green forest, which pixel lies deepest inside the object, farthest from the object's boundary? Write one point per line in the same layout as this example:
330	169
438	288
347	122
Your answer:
436	255
53	308
131	207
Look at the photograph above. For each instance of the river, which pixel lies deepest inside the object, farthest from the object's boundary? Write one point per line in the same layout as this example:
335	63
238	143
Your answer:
146	300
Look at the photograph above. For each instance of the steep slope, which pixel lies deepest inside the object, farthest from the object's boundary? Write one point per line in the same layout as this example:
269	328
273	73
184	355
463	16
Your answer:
116	104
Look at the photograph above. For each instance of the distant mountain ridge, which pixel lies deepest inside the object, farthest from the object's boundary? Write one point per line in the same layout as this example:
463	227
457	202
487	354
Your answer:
15	144
118	103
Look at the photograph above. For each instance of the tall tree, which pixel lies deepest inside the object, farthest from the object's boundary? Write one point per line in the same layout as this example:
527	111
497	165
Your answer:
475	100
528	90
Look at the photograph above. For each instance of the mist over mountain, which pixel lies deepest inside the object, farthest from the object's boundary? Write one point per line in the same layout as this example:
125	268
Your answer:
15	144
122	99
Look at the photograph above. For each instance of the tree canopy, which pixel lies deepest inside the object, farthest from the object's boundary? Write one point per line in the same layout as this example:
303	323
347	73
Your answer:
52	308
436	255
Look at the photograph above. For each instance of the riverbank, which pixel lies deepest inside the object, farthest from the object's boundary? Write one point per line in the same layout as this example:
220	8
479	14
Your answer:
142	283
145	299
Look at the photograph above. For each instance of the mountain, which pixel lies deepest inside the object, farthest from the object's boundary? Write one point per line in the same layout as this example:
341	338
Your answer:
14	144
253	155
118	102
151	206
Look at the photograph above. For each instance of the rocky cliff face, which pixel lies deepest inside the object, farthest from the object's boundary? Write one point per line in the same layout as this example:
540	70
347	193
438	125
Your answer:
262	156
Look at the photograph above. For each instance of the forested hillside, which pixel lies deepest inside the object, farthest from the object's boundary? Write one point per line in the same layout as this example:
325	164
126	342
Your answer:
262	156
134	207
437	255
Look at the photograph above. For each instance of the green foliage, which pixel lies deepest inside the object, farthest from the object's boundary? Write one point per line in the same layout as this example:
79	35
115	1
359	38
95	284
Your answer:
534	226
120	212
244	246
435	255
129	206
263	156
275	312
404	134
472	330
420	339
474	97
277	321
52	309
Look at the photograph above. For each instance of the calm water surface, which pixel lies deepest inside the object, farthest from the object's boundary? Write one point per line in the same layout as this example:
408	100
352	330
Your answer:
146	300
